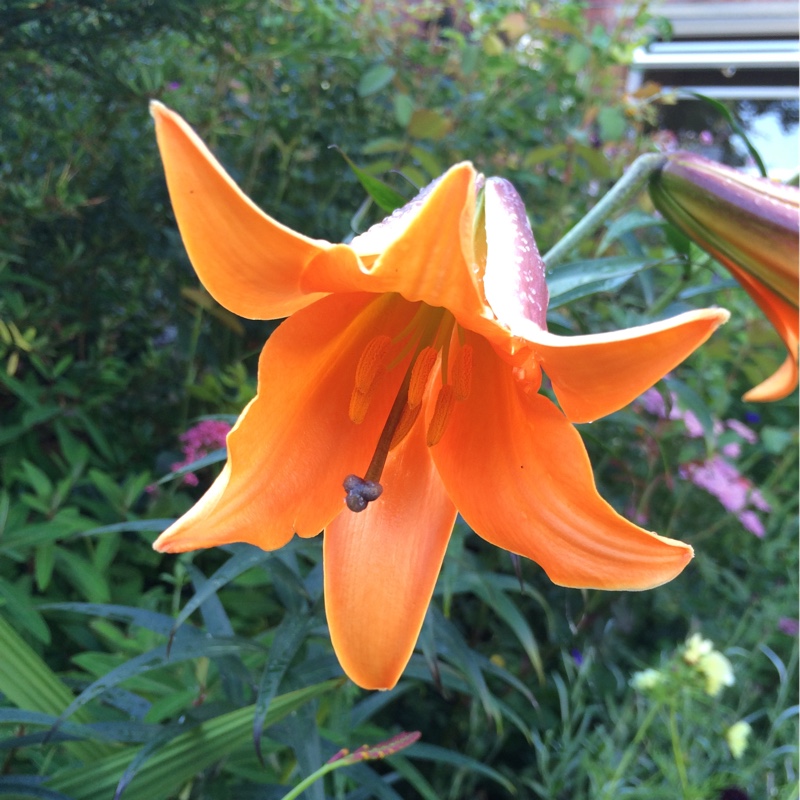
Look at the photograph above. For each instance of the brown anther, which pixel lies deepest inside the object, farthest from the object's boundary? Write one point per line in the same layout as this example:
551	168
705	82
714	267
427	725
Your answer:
372	363
359	404
420	372
445	401
407	420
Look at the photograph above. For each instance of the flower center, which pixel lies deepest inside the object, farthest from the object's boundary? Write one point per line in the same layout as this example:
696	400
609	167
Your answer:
432	336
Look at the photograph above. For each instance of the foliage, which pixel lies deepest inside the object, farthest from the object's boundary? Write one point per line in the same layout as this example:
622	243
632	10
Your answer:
211	674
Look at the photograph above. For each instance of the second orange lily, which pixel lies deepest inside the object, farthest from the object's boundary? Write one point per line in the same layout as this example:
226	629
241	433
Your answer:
404	387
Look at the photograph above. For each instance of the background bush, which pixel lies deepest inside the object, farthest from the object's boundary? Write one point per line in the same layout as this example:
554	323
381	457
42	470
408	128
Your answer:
109	350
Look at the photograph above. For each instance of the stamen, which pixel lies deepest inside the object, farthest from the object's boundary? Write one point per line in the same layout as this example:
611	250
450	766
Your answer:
359	404
407	420
373	361
420	373
445	401
462	372
428	334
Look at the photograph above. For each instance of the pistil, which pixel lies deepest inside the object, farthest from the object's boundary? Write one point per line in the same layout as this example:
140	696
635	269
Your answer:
429	337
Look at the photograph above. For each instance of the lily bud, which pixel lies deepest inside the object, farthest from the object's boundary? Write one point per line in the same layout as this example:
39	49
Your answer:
751	226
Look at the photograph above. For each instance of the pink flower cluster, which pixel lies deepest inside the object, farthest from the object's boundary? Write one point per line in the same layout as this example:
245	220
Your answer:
717	475
199	441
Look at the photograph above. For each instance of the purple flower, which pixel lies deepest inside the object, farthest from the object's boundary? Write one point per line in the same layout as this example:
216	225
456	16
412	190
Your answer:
198	442
721	479
741	430
752	522
789	626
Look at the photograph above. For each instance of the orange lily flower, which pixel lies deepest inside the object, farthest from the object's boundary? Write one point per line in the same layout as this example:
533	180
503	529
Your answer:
408	371
751	226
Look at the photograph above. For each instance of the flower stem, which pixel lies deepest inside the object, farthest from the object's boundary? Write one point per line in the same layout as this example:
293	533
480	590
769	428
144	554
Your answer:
630	752
620	193
676	749
312	778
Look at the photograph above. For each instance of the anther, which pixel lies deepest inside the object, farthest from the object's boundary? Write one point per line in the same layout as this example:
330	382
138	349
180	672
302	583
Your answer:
407	420
360	492
420	373
445	401
461	375
359	405
372	363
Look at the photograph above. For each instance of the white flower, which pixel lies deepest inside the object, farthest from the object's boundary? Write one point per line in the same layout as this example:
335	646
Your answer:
646	680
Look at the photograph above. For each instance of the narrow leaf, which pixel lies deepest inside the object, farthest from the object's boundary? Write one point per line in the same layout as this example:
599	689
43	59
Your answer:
386	198
289	637
179	760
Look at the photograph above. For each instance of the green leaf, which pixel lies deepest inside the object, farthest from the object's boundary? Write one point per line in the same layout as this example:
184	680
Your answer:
612	124
426	123
212	458
386	198
726	114
632	221
289	637
502	605
141	525
91	582
459	653
429	162
374	79
28	786
541	154
440	755
776	440
28	683
577	57
582	278
185	648
403	109
247	557
18	605
179	760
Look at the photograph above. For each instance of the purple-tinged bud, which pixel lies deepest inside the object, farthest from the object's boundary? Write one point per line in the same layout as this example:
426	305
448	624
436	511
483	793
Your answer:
752	227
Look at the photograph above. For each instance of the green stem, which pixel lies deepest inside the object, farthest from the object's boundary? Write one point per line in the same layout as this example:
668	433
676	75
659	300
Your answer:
630	752
313	777
620	193
191	371
676	749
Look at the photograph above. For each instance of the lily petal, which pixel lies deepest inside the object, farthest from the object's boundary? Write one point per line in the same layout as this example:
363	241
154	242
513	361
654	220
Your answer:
250	263
381	566
597	374
784	318
514	278
294	444
423	251
520	476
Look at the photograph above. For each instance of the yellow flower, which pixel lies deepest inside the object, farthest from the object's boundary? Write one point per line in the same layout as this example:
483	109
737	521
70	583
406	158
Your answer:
696	647
409	371
717	670
736	736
